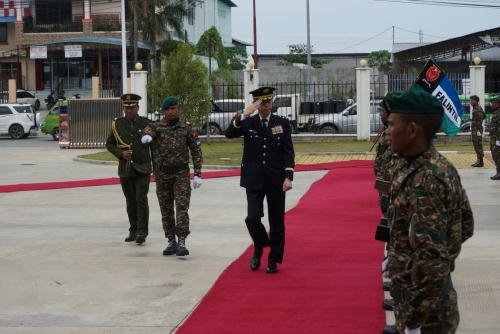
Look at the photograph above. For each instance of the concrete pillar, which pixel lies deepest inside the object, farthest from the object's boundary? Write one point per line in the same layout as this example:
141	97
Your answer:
250	82
96	89
19	11
139	83
477	81
363	101
86	9
12	91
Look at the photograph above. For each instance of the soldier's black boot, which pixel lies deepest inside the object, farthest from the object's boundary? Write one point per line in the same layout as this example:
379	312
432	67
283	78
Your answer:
390	329
255	260
181	247
131	237
140	239
497	176
478	163
171	247
388	304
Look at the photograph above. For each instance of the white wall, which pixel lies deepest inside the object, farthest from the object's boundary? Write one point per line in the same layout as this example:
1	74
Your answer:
210	13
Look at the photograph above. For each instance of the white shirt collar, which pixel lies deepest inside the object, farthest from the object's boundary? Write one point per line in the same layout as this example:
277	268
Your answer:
267	118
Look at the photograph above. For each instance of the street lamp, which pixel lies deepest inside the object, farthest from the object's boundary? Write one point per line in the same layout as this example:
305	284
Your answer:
124	49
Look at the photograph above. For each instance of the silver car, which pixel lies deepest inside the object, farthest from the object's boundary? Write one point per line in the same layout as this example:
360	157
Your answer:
221	115
345	122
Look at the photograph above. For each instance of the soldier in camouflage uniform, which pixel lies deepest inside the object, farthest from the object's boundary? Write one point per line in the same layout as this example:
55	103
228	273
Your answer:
495	135
134	168
171	140
430	218
476	129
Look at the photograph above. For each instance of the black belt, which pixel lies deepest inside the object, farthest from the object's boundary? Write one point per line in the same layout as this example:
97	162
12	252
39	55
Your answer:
173	169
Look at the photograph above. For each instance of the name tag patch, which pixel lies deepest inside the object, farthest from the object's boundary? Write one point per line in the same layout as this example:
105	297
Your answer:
278	129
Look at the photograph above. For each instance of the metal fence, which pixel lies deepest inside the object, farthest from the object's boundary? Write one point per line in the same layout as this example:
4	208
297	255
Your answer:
90	121
111	88
4	91
460	81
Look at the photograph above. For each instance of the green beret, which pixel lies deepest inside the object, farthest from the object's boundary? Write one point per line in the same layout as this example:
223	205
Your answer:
414	101
168	102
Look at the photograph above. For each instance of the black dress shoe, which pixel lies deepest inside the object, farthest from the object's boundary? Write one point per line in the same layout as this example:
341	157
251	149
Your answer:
388	304
131	237
255	260
496	177
387	286
478	163
140	239
272	267
390	329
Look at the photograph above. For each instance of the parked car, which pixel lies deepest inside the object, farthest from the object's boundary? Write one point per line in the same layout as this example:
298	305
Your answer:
23	96
50	124
345	121
16	120
221	114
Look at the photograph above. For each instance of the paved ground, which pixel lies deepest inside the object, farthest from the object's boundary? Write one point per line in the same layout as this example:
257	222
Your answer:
65	268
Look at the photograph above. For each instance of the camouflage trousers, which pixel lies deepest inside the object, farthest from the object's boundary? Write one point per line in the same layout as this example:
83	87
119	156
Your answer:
495	153
443	316
171	189
477	141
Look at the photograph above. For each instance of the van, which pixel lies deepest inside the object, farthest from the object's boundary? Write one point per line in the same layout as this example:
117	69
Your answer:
16	120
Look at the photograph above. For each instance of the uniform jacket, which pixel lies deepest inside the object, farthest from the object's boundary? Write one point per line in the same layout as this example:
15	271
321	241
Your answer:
130	133
478	116
171	145
495	127
268	154
430	218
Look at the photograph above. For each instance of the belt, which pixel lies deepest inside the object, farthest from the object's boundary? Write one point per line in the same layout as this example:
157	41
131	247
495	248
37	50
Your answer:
173	169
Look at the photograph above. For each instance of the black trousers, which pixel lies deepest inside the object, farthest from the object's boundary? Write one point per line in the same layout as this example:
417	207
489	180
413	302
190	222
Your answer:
276	210
136	190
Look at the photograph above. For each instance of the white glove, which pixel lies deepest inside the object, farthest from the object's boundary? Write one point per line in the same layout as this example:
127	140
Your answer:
384	264
412	331
146	139
498	143
196	182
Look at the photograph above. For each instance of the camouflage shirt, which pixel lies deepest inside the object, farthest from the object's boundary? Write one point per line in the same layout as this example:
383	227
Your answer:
478	116
382	147
172	143
495	127
430	218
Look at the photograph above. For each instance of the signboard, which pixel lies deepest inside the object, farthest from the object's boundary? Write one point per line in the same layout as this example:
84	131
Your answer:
491	40
73	51
38	52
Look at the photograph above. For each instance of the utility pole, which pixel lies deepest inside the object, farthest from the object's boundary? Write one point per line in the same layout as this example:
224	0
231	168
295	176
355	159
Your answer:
124	50
309	78
255	56
392	35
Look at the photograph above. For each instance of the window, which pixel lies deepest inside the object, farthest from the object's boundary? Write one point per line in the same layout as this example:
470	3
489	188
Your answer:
5	111
53	11
24	110
190	15
24	95
4	36
281	102
224	106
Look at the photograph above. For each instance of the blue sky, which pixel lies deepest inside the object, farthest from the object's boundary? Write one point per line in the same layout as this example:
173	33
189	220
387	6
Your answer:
338	25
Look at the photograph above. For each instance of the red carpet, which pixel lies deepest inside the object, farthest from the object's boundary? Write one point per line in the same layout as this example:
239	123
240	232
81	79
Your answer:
115	180
330	280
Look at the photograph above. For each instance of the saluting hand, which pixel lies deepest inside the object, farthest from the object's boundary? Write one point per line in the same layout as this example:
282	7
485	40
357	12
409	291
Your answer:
287	184
251	108
127	155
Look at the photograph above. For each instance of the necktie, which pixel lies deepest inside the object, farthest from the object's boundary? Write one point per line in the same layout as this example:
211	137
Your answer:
264	123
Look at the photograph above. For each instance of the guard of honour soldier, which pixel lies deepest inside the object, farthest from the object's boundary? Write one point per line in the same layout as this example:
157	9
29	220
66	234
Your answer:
134	140
428	214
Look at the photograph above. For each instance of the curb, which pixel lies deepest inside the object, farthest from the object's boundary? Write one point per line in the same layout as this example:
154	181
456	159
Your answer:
115	163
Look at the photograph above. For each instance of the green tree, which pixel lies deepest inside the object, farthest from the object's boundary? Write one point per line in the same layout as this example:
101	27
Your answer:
157	15
185	77
210	45
380	60
298	54
237	57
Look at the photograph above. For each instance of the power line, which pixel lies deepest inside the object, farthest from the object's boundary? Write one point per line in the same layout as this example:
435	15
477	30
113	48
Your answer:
457	4
364	41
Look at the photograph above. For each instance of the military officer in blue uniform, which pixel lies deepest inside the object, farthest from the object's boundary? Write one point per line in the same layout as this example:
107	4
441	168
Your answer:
266	171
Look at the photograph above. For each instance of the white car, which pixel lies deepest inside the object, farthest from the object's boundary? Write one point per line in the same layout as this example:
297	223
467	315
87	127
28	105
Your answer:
26	97
16	120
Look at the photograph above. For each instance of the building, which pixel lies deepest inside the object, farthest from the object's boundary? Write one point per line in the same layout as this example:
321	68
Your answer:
61	44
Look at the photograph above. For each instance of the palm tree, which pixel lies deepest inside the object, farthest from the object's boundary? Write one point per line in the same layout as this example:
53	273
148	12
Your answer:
155	16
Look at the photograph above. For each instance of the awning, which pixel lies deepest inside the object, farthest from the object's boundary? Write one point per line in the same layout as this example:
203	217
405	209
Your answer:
8	10
92	40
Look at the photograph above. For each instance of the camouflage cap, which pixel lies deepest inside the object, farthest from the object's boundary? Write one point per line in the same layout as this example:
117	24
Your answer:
168	102
414	101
